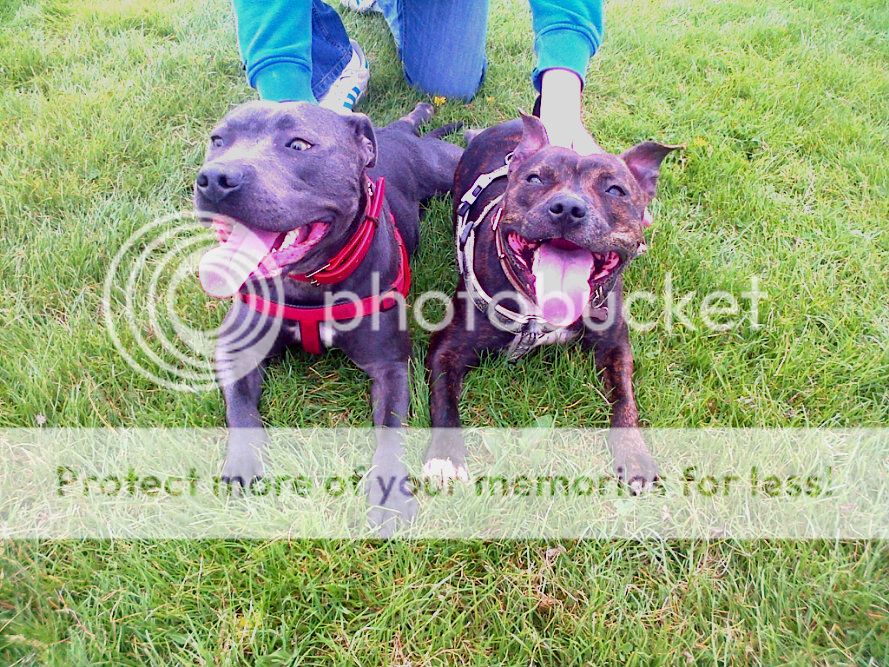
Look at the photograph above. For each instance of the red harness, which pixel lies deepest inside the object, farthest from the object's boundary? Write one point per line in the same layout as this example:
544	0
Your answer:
337	269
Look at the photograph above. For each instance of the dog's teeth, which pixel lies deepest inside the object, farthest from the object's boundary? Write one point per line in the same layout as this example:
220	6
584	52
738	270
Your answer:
292	235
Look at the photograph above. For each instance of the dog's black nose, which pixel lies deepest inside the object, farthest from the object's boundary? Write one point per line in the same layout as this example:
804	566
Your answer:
217	181
567	209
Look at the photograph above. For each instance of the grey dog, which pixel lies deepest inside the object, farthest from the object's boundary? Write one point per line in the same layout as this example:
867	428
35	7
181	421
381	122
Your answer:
286	185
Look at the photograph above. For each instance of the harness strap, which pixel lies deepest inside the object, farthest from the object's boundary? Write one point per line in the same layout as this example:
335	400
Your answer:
508	320
466	260
481	183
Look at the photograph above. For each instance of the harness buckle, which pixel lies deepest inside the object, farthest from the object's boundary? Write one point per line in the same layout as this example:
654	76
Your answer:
310	275
464	235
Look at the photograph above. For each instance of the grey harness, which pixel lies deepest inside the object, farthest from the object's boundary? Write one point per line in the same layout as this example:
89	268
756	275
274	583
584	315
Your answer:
528	326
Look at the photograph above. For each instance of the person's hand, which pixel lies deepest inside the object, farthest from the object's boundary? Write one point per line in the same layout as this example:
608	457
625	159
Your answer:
571	135
560	112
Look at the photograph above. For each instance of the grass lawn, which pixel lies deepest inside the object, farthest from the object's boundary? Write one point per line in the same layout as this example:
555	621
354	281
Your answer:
104	111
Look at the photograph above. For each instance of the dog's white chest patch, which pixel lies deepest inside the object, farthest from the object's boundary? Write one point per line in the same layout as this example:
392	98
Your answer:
325	330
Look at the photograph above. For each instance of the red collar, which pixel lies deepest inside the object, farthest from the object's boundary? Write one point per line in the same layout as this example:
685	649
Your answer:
309	318
343	264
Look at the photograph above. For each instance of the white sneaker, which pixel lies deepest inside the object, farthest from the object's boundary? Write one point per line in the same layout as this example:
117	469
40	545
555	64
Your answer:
361	6
350	86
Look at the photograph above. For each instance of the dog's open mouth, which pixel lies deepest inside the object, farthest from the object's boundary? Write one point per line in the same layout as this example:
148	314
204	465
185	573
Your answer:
562	275
246	252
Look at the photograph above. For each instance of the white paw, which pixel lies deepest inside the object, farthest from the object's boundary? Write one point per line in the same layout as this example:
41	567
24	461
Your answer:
443	471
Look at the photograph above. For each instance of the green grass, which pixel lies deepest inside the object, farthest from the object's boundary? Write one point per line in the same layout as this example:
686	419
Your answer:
104	109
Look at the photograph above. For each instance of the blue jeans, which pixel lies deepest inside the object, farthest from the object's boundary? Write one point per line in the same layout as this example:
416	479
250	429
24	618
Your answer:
331	50
441	44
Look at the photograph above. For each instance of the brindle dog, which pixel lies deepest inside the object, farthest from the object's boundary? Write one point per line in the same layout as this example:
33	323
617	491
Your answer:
569	226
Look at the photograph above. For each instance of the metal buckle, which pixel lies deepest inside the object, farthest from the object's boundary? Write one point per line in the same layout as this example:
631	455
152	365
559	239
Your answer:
464	235
311	274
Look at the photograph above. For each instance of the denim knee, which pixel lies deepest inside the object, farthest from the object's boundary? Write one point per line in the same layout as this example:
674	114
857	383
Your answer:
443	46
460	82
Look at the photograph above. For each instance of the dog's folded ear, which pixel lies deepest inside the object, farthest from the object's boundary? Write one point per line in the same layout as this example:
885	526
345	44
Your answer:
364	137
644	161
534	137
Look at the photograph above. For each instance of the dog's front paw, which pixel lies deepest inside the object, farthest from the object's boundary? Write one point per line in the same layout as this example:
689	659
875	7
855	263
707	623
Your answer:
633	463
392	502
446	458
243	465
387	519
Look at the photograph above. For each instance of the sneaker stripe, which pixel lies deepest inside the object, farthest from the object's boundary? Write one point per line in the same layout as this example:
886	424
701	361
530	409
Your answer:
356	72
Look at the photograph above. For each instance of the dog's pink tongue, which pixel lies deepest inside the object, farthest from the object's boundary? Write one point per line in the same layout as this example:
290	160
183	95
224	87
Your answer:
224	269
562	283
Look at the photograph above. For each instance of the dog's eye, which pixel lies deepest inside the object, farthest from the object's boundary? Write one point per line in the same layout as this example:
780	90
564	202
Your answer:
216	140
534	178
298	144
617	191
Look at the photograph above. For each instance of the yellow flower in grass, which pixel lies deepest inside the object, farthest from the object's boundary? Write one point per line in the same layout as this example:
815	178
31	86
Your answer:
438	100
